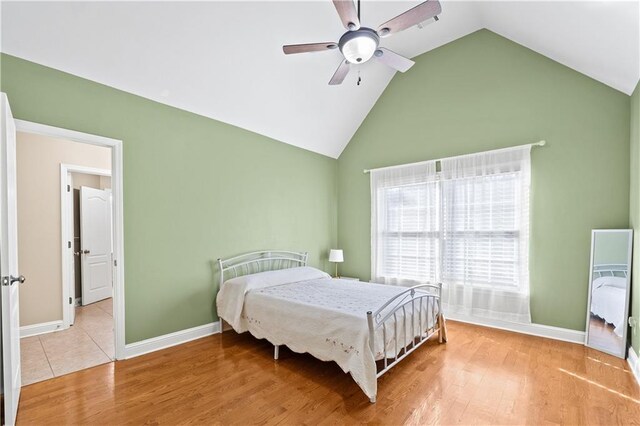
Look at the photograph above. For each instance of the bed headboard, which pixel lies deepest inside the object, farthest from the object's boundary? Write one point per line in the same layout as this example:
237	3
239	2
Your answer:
610	270
260	261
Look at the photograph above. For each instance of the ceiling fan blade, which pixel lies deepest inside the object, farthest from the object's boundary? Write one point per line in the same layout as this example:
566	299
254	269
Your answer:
348	14
392	59
308	47
340	74
411	17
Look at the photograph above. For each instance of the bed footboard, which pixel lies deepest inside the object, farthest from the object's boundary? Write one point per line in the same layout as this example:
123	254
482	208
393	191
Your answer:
408	320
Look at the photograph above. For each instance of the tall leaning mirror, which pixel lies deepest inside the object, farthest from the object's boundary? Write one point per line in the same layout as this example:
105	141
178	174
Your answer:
609	288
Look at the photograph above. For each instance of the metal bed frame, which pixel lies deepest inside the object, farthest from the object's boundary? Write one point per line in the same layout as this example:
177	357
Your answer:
423	300
610	270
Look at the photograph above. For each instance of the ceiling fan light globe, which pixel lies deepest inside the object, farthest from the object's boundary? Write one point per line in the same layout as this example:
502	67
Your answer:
359	46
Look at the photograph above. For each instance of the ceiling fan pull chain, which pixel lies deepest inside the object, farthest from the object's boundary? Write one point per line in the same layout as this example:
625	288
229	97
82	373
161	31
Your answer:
359	79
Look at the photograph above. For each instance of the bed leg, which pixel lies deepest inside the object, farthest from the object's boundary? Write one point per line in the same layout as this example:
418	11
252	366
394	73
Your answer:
372	400
276	351
442	329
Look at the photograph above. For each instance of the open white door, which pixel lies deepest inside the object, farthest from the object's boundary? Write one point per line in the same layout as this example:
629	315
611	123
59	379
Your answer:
72	251
95	237
9	265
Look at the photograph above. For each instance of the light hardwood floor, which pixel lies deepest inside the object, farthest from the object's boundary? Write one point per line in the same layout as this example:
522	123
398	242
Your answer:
601	335
482	376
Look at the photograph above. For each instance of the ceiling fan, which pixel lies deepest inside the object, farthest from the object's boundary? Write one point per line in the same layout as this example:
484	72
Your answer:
359	44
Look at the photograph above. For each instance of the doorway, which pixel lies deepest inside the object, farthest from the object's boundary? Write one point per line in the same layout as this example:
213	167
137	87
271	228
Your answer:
87	213
83	326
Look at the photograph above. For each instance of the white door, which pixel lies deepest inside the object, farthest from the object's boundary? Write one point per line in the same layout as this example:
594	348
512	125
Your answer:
95	244
72	251
11	279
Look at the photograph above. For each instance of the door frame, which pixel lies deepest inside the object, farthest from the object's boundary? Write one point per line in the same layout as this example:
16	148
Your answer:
66	213
118	223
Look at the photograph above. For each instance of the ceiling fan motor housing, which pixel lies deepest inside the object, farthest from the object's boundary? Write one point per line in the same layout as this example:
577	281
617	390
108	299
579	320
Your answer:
359	46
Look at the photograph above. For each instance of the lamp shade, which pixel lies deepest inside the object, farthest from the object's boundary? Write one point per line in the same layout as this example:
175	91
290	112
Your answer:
358	46
336	256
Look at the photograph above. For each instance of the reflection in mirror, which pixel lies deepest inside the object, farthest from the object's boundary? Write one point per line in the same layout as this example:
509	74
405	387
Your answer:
609	290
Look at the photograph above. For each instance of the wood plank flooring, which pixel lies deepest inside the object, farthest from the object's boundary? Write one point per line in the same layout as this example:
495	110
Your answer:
482	376
602	335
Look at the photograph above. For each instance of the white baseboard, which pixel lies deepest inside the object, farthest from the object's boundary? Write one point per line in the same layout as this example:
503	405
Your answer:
42	328
172	339
632	359
556	333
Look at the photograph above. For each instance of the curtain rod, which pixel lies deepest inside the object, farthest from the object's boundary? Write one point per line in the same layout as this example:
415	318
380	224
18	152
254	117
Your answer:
539	143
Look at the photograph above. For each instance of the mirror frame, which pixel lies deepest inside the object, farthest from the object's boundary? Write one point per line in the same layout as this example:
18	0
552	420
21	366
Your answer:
623	353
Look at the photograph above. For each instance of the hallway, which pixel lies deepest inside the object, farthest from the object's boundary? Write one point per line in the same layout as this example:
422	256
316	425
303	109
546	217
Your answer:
89	342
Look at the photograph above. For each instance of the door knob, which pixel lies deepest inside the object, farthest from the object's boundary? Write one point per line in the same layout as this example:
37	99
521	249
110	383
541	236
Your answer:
11	279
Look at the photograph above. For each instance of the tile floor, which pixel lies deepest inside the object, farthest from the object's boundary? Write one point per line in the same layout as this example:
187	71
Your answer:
89	342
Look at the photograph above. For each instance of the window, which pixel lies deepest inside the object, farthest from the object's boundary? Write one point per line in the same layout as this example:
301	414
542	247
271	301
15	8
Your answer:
481	235
465	225
411	234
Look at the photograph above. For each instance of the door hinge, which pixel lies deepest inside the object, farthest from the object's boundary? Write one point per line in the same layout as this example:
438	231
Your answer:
70	301
69	244
115	262
68	188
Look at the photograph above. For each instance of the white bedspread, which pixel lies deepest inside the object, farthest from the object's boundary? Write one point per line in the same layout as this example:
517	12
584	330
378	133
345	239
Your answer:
607	302
324	317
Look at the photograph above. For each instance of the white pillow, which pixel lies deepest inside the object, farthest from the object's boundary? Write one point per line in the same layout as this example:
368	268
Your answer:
281	276
619	282
230	298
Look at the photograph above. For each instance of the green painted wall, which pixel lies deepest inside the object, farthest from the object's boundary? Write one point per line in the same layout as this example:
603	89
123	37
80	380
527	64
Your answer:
484	92
611	248
195	189
634	213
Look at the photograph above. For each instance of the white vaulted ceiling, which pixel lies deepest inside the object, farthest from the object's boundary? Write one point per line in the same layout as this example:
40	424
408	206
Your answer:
224	60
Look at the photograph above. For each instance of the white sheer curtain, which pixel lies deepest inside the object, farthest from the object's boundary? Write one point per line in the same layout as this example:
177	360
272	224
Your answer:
485	244
404	224
466	226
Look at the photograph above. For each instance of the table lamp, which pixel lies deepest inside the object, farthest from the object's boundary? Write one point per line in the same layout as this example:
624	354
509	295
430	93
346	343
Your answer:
336	256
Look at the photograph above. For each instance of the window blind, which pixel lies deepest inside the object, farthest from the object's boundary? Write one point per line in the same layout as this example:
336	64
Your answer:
465	226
